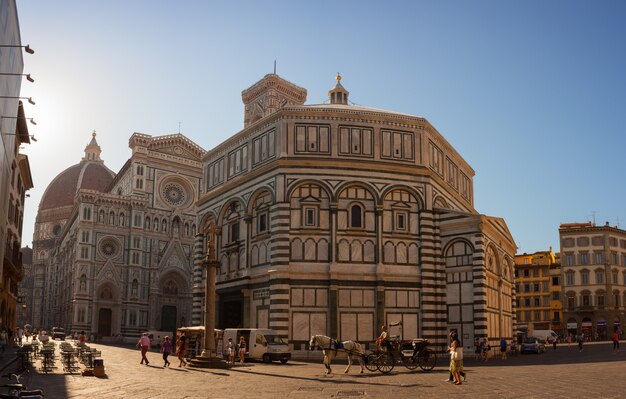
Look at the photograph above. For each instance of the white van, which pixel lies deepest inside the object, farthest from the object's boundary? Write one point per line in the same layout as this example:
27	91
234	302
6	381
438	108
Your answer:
548	335
261	343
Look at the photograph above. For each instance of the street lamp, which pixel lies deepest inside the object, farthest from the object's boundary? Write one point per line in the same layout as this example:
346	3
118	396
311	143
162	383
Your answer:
19	74
19	117
26	48
30	99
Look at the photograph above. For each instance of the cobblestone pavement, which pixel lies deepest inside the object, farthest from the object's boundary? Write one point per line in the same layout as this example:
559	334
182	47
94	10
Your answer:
565	373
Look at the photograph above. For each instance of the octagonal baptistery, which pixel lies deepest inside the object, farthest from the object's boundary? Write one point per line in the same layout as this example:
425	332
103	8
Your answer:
336	219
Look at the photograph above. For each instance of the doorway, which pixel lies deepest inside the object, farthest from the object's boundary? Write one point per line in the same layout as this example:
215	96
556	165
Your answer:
231	314
104	322
168	318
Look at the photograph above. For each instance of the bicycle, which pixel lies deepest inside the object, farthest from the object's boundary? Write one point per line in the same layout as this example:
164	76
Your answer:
18	390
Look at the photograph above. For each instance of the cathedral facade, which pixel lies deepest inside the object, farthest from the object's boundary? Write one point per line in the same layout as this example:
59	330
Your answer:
336	219
117	249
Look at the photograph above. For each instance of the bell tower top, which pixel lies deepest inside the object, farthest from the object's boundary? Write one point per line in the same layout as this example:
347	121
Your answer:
338	94
92	151
268	95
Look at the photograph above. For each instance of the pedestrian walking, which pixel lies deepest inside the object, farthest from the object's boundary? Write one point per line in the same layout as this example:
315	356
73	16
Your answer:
181	352
3	339
242	348
477	349
615	341
581	339
82	338
456	359
484	348
503	346
20	335
230	349
451	377
166	349
44	338
144	344
555	340
159	341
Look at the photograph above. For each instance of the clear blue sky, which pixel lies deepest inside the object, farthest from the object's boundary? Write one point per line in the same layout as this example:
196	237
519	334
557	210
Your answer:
531	93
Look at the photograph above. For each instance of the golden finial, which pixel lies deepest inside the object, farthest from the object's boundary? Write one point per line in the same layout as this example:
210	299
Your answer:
93	134
338	78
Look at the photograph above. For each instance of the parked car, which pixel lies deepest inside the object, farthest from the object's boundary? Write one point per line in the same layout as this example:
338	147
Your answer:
58	332
533	345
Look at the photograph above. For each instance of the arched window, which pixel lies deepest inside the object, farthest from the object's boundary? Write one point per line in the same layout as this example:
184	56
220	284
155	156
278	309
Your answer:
571	300
83	283
459	253
134	288
122	220
156	224
111	217
356	216
164	226
187	229
147	223
101	216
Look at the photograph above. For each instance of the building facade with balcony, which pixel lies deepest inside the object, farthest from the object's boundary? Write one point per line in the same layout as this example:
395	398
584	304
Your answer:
121	263
593	276
538	303
336	219
26	289
15	177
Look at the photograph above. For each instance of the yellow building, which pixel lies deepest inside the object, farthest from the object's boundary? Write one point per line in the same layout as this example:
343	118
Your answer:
537	280
556	301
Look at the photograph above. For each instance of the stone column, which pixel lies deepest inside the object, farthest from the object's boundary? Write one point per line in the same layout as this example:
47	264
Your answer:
246	307
208	359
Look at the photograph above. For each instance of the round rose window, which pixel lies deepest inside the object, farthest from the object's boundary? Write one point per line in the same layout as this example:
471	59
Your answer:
109	247
174	194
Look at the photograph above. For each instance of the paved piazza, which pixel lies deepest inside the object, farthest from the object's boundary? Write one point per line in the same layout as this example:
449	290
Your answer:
565	373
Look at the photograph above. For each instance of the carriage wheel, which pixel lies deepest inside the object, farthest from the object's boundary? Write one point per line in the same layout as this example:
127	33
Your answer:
427	360
410	362
371	362
386	362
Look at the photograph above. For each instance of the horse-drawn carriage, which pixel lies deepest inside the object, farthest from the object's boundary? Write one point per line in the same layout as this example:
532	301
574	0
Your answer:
411	354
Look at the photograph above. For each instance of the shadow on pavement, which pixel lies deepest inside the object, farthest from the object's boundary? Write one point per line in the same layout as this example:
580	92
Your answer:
601	352
326	378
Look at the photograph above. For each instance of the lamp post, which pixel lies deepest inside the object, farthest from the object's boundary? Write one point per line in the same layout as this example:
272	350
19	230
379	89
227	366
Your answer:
26	48
208	359
19	74
19	117
30	99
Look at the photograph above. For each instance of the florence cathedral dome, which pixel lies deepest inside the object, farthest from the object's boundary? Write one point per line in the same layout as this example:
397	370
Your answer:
90	173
